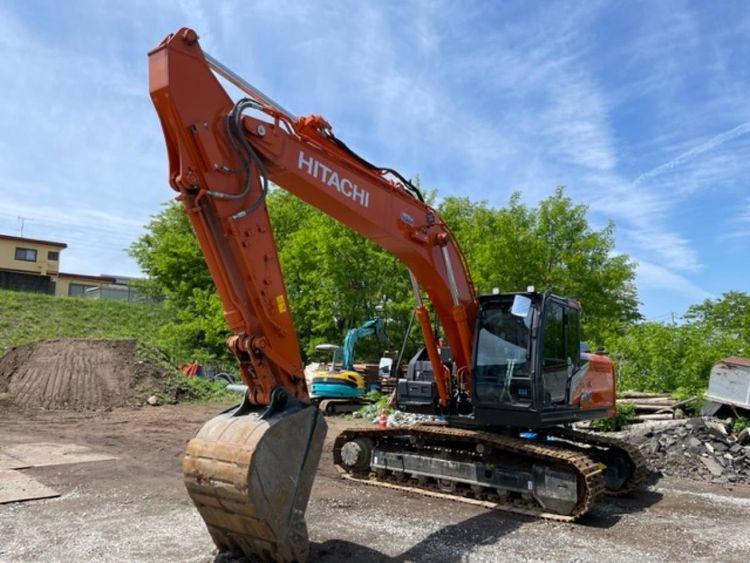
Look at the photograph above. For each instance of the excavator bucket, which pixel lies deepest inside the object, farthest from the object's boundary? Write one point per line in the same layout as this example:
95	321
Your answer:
249	473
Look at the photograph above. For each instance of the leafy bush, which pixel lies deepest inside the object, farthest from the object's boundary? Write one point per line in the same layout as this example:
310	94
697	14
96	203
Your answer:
376	401
205	391
739	424
377	397
180	388
624	416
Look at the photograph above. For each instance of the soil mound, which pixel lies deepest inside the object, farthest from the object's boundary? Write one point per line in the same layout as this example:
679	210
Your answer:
78	374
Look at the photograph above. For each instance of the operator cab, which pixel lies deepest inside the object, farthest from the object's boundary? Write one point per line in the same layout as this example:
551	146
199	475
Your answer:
331	351
502	367
528	368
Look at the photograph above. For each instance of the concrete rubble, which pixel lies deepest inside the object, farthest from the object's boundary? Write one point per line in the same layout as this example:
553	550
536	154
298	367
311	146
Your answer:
697	448
393	418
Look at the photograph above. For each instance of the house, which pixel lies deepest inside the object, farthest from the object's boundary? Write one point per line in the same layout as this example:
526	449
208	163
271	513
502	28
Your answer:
28	264
77	285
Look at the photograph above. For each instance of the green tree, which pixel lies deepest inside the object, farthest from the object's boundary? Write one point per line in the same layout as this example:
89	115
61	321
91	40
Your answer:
678	357
729	314
336	279
668	357
551	247
170	255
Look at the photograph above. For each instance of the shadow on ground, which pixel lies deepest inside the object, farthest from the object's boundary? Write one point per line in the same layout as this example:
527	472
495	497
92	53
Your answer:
449	544
610	510
452	543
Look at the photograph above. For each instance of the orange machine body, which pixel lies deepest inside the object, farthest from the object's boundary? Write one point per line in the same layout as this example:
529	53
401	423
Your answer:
596	389
250	470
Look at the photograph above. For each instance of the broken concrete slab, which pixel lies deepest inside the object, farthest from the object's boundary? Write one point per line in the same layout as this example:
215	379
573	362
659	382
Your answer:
716	427
16	486
8	461
715	468
41	454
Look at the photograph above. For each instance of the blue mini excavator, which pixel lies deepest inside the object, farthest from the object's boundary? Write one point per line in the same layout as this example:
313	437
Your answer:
337	387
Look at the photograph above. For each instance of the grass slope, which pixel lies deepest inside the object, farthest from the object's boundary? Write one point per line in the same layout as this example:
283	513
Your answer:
26	317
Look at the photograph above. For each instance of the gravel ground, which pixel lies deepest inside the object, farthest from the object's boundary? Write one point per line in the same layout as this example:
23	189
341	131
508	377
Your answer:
135	508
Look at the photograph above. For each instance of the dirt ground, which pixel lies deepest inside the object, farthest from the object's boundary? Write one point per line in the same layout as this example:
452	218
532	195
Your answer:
136	509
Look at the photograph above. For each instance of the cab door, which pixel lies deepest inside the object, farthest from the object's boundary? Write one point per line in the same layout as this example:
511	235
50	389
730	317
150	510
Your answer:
560	351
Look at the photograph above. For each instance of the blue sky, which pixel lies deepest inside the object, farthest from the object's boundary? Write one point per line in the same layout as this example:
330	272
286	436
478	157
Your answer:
641	109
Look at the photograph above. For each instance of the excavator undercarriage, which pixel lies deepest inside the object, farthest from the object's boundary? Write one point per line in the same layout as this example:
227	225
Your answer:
558	474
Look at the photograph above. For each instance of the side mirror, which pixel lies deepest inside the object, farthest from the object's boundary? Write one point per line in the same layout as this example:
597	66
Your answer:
521	306
384	367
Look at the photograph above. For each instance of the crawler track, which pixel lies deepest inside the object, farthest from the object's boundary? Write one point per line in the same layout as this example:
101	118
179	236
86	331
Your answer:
516	508
628	452
590	483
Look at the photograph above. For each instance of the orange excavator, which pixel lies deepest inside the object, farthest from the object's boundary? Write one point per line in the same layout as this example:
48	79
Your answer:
507	374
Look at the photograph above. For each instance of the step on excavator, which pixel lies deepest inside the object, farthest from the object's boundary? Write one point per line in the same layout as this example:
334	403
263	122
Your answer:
508	376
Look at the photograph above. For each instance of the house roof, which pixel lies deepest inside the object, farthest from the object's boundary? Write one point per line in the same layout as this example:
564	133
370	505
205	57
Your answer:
106	279
33	240
736	360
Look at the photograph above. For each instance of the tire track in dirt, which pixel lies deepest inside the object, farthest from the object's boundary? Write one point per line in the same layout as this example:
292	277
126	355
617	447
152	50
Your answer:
80	374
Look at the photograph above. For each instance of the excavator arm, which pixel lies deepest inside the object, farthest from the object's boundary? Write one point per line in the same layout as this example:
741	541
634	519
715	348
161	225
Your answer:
221	162
250	470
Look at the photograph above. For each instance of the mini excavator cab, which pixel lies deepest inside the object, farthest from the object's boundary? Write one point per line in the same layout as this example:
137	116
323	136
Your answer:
528	369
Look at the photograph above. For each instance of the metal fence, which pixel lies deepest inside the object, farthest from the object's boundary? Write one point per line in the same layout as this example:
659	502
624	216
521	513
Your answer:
18	281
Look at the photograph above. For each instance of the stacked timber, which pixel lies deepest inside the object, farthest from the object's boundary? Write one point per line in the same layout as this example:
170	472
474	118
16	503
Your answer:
653	406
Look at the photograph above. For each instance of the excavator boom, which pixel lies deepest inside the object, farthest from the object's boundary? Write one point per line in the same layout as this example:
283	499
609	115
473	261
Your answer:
373	326
221	162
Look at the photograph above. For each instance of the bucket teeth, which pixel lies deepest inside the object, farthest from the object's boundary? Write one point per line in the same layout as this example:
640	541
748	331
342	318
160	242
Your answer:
250	479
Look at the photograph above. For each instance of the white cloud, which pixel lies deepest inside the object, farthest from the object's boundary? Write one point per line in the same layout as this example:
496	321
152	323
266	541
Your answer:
677	252
479	99
738	226
695	152
653	276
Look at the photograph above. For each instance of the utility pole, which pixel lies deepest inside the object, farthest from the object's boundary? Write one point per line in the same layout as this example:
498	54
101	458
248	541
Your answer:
21	220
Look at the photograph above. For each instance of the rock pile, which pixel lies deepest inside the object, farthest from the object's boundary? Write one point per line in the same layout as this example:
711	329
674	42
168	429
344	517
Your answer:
699	448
